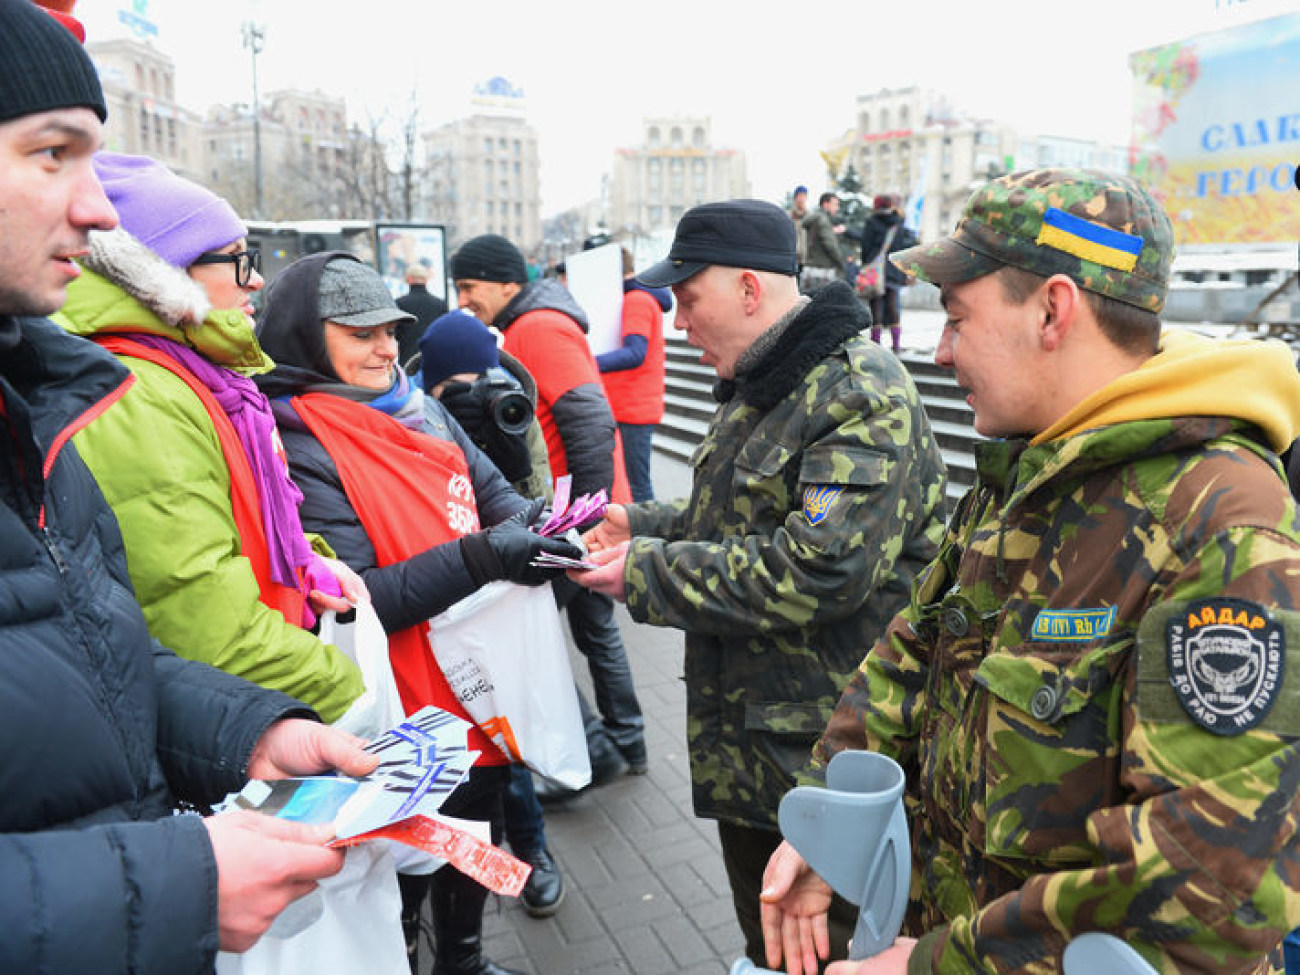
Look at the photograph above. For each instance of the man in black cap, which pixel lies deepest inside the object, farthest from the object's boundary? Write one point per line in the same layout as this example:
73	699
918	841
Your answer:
105	730
818	495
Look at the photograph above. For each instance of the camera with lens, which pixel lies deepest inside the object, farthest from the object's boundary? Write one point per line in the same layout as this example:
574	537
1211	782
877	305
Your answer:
507	404
494	402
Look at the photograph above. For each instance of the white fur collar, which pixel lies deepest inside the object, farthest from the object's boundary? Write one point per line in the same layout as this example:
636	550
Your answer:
167	291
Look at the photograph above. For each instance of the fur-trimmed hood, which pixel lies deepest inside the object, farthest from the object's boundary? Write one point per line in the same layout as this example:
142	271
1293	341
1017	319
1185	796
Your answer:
165	290
126	288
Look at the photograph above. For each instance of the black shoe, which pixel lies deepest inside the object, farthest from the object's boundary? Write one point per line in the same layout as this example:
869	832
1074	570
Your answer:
606	765
480	966
457	911
635	756
544	890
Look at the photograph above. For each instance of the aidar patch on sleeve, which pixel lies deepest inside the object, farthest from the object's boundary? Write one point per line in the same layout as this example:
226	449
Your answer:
1221	662
817	501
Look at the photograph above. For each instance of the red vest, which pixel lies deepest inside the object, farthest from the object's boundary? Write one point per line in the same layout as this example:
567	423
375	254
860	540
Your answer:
410	492
245	501
637	395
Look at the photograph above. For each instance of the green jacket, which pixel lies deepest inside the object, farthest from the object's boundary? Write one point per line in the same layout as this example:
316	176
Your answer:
159	463
817	497
823	245
1095	692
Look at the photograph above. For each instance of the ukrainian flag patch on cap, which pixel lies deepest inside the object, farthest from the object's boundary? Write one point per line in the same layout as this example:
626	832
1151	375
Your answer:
817	501
1089	241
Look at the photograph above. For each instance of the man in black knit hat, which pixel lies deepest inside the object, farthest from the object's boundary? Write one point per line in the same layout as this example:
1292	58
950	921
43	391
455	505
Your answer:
546	331
104	729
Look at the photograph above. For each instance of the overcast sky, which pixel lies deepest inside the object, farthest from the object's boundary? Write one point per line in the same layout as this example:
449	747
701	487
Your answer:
779	81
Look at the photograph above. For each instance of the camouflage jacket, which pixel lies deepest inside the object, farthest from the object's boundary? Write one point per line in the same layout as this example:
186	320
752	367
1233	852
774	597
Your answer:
817	497
1094	692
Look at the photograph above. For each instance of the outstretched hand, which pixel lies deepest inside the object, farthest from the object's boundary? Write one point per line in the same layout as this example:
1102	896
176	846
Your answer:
793	906
263	865
892	961
612	531
608	579
352	590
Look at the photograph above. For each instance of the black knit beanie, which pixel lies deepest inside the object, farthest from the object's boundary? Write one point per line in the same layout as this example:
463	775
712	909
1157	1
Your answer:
489	257
42	66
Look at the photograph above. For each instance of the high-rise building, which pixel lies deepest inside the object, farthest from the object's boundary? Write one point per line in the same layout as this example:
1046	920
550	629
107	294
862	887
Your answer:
675	168
143	118
482	173
313	165
306	151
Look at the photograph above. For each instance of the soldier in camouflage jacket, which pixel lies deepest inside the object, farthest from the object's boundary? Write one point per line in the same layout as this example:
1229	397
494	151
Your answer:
1094	688
817	498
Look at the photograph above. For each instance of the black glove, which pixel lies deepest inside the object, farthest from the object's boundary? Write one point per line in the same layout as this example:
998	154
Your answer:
506	551
465	403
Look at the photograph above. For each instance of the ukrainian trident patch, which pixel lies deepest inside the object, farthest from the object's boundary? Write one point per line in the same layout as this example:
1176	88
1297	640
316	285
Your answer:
817	501
1226	662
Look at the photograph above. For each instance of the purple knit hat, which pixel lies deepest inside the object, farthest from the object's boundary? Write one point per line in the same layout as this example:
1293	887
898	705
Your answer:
176	219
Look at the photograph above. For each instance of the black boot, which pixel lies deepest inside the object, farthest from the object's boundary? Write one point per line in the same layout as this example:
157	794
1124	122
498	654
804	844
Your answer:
544	890
458	926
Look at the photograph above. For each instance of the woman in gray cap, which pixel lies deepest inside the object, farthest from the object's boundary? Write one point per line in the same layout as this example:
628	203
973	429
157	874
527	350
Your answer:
399	491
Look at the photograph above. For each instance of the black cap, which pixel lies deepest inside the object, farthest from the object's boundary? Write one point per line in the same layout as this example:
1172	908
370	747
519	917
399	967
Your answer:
42	65
751	234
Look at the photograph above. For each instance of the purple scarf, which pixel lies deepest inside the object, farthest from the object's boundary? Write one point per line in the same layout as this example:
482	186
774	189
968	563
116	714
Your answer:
250	414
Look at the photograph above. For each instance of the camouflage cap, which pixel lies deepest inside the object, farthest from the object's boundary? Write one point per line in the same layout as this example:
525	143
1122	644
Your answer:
1102	230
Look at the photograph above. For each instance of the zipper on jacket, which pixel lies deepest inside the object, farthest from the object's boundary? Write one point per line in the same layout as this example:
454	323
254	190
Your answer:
79	423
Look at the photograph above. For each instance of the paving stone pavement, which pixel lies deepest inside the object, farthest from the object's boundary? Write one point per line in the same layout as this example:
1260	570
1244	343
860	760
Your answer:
645	888
646	892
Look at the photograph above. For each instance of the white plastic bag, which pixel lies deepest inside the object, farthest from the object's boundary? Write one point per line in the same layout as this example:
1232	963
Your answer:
503	653
358	927
365	643
379	708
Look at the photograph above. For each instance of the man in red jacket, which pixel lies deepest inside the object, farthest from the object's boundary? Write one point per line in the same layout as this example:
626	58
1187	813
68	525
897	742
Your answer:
546	331
634	375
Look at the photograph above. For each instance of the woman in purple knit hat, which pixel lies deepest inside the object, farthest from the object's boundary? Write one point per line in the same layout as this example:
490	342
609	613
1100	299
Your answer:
188	458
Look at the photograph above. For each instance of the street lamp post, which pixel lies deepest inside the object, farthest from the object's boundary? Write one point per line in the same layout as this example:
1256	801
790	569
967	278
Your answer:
254	36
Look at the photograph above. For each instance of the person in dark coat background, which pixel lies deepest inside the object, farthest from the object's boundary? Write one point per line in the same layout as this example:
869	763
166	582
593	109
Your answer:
424	306
105	730
633	375
886	216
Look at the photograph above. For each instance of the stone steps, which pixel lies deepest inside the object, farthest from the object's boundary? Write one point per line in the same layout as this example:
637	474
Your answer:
689	406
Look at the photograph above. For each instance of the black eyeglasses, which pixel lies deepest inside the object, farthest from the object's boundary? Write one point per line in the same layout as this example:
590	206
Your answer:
246	262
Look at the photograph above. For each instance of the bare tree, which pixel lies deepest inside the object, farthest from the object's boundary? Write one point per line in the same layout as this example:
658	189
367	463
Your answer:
409	162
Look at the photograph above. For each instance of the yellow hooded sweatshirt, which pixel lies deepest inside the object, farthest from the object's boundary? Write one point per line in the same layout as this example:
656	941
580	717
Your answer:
1192	375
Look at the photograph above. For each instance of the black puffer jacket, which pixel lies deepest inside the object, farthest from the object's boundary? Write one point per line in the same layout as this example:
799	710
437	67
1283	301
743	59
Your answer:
414	589
102	727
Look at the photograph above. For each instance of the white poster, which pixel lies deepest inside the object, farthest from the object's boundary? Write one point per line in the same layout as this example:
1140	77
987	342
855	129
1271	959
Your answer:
595	279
